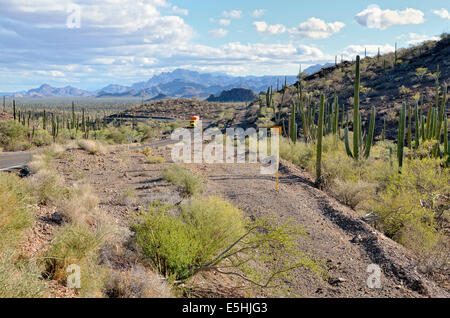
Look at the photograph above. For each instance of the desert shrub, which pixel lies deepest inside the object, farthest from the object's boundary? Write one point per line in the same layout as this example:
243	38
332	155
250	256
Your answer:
299	153
121	135
155	160
13	136
48	186
190	182
146	131
212	234
172	126
42	138
352	193
91	146
137	283
76	244
414	202
147	151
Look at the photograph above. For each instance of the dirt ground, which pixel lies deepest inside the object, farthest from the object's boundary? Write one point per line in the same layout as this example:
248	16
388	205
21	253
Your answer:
124	182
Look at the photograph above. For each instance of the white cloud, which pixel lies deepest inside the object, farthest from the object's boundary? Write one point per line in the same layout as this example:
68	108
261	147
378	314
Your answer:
123	41
233	14
258	13
263	27
415	38
218	33
443	13
51	73
315	28
179	11
375	18
351	51
224	22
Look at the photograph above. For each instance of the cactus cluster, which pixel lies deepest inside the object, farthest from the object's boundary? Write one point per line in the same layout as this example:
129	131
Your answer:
432	127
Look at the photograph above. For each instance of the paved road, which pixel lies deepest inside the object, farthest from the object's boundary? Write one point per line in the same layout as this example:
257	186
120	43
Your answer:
14	160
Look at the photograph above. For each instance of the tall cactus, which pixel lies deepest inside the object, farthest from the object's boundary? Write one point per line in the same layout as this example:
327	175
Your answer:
446	145
356	116
73	115
336	129
14	109
319	141
409	137
417	125
370	136
401	136
293	125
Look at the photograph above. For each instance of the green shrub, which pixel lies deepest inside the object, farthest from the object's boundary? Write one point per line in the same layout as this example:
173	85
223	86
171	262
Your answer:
190	183
13	136
42	138
211	234
413	203
352	193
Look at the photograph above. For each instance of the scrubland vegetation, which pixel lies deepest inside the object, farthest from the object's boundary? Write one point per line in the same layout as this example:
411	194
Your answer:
403	188
212	235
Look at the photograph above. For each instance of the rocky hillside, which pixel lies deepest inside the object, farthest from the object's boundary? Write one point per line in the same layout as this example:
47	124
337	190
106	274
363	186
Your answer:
383	84
234	95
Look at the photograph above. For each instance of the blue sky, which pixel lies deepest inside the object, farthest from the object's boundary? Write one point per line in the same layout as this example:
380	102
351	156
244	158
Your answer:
89	44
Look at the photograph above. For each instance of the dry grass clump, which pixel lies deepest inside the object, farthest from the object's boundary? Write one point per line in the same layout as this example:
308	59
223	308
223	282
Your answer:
78	245
147	151
17	278
155	160
191	183
91	146
57	149
129	197
20	279
137	283
48	186
39	162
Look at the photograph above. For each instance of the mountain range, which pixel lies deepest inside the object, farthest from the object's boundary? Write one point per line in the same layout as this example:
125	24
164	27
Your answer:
180	83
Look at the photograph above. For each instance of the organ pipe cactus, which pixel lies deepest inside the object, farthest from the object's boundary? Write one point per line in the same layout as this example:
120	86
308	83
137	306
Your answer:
356	117
370	136
293	125
319	141
401	136
417	125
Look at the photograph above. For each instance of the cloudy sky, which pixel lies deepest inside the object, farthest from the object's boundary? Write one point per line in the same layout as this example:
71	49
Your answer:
92	43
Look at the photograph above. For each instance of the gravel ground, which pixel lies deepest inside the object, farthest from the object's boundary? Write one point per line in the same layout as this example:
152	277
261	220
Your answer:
336	234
